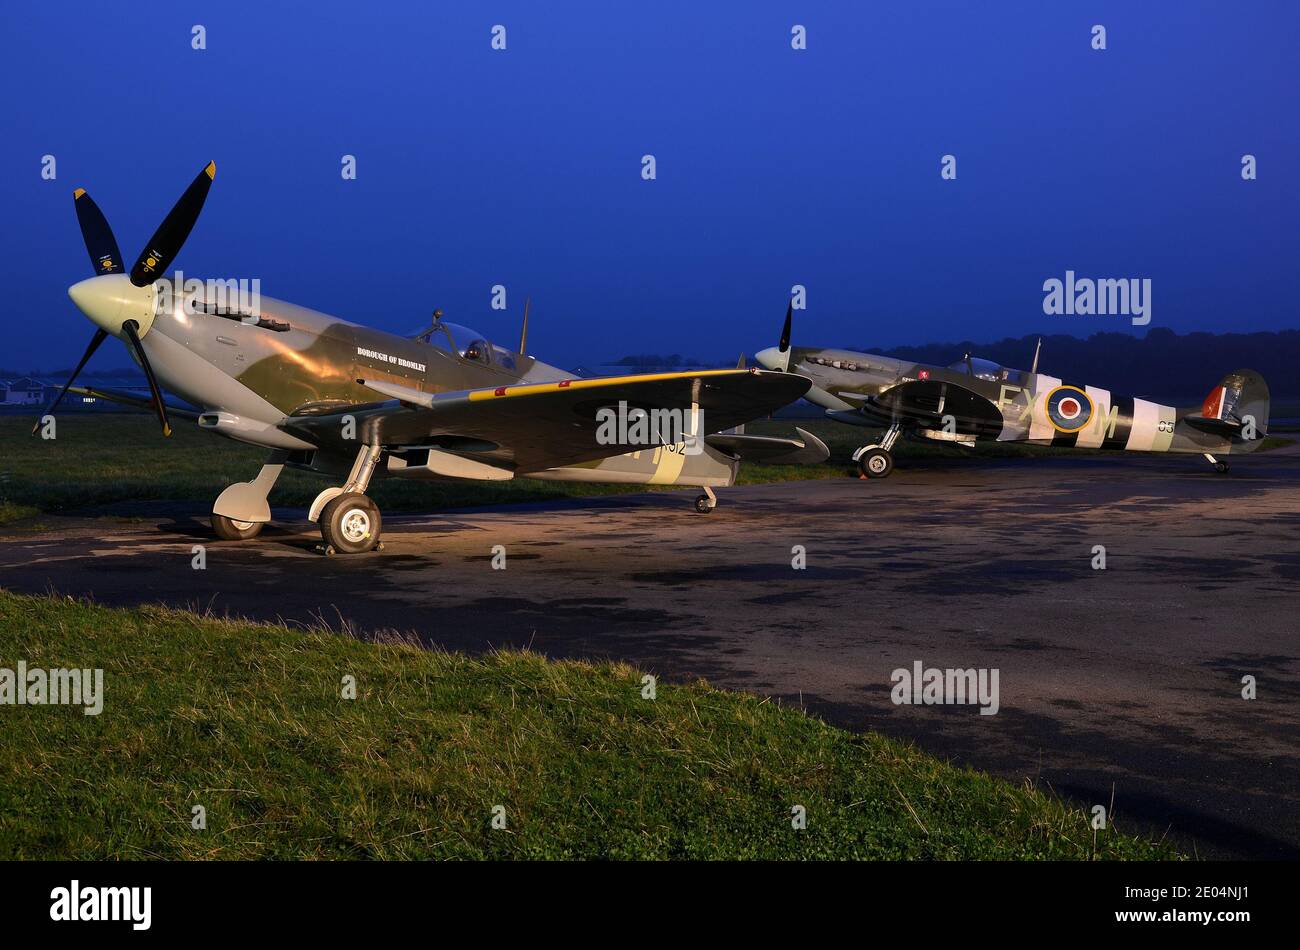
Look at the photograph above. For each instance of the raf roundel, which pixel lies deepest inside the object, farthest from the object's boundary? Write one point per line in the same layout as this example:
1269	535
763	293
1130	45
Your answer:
1068	408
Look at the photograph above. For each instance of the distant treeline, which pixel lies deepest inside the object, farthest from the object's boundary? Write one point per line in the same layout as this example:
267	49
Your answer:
1162	363
655	359
122	373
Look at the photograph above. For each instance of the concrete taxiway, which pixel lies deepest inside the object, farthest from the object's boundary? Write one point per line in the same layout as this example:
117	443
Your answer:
1121	684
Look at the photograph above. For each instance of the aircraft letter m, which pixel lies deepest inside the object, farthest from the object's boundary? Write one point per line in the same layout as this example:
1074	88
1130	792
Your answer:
1108	418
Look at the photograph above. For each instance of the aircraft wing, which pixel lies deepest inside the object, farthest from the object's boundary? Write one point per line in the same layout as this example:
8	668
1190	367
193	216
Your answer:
529	427
926	402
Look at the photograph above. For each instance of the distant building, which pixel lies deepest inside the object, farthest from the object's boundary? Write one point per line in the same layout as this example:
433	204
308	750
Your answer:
28	392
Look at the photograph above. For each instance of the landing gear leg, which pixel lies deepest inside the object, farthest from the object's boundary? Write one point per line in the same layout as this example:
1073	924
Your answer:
350	522
242	509
877	460
1219	467
706	502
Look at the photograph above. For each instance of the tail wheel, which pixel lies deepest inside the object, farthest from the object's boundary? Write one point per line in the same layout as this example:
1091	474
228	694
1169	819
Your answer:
228	529
876	463
1221	467
704	504
351	523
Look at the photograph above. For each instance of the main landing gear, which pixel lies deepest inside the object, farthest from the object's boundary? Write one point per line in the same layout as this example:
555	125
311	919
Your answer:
350	524
1220	467
349	520
706	502
877	460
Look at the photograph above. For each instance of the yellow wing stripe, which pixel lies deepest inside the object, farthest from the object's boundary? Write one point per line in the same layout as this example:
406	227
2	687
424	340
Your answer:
535	389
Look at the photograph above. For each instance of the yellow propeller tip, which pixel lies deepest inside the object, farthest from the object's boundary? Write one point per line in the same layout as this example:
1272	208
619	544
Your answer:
167	432
211	170
78	193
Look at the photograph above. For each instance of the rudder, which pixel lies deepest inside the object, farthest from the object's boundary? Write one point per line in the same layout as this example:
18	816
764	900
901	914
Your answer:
1236	408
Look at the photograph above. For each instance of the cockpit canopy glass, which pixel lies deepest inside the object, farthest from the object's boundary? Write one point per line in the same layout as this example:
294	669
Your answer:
469	343
987	369
461	340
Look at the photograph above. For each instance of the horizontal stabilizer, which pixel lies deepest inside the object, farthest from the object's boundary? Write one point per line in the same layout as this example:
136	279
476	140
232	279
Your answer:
853	417
1228	428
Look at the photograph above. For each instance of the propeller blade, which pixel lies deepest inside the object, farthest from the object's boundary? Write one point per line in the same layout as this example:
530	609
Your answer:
131	329
785	331
166	242
98	338
100	243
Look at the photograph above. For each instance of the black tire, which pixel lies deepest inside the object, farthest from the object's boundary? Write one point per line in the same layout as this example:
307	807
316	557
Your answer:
876	463
351	524
703	505
228	529
1221	467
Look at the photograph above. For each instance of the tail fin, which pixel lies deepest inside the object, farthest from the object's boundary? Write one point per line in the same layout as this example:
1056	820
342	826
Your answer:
1236	408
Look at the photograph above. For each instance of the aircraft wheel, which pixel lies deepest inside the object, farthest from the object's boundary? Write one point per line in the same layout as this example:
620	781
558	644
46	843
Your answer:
704	504
876	463
228	529
1221	467
350	524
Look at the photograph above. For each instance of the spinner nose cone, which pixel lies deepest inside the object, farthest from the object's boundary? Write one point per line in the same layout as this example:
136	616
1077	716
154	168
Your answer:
88	297
769	358
110	300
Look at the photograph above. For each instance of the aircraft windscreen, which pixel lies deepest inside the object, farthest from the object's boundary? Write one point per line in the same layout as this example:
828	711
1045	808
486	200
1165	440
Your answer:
985	369
435	335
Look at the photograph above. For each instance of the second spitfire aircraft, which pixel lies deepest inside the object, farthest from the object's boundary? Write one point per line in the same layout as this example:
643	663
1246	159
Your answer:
344	400
975	399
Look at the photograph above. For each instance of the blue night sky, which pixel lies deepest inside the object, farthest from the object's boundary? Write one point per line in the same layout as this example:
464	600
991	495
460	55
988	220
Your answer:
775	166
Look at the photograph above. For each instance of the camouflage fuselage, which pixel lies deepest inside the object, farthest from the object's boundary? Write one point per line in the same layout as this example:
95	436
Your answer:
294	360
1010	405
252	374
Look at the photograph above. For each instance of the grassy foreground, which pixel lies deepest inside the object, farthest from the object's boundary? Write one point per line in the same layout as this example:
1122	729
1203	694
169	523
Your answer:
248	721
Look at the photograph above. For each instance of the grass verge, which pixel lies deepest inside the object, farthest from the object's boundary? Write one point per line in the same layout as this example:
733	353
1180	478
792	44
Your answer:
248	721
